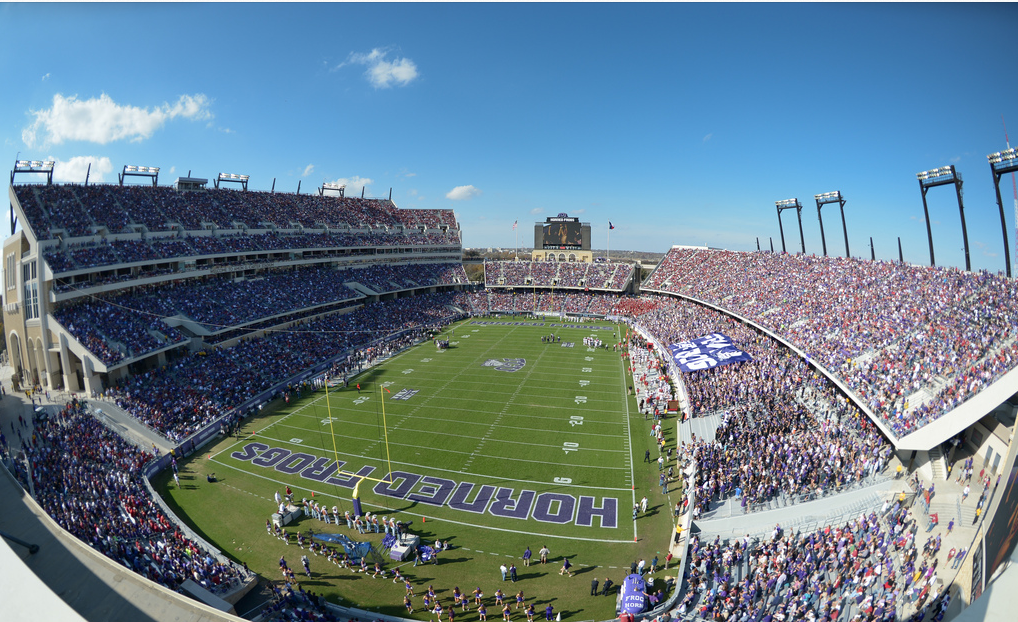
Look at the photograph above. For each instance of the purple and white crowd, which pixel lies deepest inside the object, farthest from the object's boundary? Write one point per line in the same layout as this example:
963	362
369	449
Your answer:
866	570
887	329
88	479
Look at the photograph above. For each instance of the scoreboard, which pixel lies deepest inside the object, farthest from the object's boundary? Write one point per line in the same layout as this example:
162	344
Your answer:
562	232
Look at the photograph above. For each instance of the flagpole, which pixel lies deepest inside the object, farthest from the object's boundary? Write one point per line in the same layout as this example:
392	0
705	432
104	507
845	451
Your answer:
609	249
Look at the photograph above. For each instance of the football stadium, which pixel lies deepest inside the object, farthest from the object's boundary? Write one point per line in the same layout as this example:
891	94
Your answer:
559	312
225	402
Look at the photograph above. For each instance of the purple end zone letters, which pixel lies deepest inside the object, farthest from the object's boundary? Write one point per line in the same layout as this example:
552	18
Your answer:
546	507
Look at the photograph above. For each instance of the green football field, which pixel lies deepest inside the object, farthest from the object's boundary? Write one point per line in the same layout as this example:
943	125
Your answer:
498	443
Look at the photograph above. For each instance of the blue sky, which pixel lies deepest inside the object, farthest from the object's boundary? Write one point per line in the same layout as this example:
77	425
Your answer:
680	123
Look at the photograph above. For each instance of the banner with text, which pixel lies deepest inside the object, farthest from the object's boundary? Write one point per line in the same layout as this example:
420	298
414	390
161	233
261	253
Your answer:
706	352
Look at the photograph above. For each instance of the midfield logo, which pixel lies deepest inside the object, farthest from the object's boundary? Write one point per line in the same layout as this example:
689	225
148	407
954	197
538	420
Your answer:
506	364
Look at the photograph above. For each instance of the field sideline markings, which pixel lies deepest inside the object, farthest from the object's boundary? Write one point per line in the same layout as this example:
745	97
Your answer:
629	436
446	520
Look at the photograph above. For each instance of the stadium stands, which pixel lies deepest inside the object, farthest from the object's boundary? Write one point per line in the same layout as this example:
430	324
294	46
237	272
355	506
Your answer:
558	275
88	479
912	342
72	211
182	398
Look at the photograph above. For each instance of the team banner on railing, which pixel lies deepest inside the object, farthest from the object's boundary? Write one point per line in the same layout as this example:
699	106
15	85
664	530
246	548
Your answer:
706	352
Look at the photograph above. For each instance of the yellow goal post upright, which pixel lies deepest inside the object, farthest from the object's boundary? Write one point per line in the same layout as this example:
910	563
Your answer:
355	497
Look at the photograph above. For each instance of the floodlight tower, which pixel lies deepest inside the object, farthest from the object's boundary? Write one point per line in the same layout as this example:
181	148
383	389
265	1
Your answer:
1002	163
140	171
340	188
233	177
941	177
31	166
824	199
790	204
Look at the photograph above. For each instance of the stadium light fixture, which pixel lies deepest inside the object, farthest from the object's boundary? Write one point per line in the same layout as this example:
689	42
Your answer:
1002	163
340	188
943	176
797	206
232	177
133	170
44	167
33	166
825	199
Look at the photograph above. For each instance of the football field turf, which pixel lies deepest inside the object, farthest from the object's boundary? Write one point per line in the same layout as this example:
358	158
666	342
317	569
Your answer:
500	431
499	443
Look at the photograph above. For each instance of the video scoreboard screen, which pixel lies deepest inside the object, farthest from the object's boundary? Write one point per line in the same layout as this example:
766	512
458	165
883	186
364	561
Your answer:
562	233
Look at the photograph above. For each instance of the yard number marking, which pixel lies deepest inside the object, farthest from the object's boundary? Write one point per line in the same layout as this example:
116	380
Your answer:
568	447
575	420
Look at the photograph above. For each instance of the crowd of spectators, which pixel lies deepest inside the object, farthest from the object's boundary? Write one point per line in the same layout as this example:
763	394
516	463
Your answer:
128	323
179	399
254	246
497	300
777	446
612	276
784	428
842	572
112	330
913	342
88	479
78	211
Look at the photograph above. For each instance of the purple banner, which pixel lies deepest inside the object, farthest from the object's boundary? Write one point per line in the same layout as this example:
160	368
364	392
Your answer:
706	352
633	598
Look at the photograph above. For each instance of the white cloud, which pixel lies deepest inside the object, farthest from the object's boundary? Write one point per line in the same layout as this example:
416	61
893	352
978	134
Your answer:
45	77
102	120
75	169
382	73
537	210
354	185
462	193
173	169
310	168
577	212
708	137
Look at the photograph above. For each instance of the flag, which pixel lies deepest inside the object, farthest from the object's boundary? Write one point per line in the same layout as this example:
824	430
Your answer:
387	390
515	222
610	225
